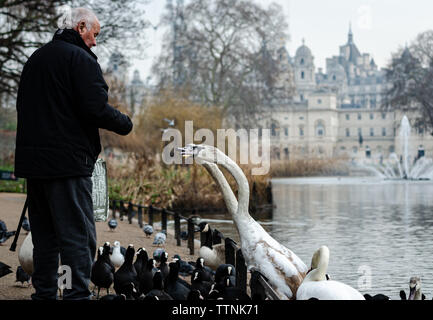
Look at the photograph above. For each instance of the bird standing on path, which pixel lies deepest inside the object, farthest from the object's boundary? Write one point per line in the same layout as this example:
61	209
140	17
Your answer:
117	258
22	276
160	238
148	230
112	223
4	233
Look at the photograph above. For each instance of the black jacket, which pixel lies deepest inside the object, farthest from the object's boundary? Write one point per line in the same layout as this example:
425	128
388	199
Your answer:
61	103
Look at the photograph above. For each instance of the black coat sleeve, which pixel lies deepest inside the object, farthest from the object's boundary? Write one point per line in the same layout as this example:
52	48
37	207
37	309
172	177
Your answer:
91	94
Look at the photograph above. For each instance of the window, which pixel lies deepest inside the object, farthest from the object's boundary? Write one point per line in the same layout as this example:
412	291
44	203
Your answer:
302	75
302	97
347	116
301	131
391	149
347	132
319	101
359	116
334	77
371	116
355	149
383	132
260	132
359	132
286	131
302	61
420	131
320	129
383	115
371	132
273	130
286	153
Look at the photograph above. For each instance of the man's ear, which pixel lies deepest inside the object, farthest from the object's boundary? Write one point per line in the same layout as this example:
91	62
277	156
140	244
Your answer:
81	27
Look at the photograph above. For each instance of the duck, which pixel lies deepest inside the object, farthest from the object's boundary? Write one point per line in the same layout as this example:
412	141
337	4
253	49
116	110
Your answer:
214	255
163	266
102	273
198	283
414	290
206	273
160	238
176	289
25	254
126	273
112	224
140	261
230	292
157	290
185	269
22	276
117	258
146	277
316	286
225	270
148	230
284	269
4	269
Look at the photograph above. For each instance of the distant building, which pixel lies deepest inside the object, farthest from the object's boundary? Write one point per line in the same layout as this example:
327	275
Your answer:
336	113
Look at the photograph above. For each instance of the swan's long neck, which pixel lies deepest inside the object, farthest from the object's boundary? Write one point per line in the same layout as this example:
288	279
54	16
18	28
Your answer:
242	182
229	197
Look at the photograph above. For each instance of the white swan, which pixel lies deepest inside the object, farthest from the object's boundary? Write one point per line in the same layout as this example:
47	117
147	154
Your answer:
25	255
316	286
280	265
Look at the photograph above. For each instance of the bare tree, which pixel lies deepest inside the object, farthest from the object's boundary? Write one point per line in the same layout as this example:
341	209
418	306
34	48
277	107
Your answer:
410	74
26	25
224	53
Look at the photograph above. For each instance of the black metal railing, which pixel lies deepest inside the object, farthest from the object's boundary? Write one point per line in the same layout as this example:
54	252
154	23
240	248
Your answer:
233	253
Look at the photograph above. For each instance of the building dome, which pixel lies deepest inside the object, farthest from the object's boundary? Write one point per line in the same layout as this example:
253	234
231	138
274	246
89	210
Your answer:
303	51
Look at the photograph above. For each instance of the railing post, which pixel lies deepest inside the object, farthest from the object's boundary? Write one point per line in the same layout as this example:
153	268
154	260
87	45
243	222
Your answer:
241	271
114	209
140	215
130	212
190	236
164	220
121	210
229	251
177	228
150	212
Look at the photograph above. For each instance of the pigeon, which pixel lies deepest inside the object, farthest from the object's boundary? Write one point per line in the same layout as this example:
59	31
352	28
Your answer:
22	276
4	233
4	269
126	274
26	224
157	254
160	238
148	230
112	223
117	258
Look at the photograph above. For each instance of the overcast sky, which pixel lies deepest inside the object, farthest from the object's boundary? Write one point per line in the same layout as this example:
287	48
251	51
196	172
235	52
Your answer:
379	26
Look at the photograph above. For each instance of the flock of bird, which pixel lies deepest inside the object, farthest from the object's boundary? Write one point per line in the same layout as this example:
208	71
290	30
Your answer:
210	278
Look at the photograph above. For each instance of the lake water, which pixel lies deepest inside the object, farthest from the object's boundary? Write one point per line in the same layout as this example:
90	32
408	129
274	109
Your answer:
379	233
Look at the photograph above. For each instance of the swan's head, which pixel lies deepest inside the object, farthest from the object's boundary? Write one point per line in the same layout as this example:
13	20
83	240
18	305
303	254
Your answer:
319	264
203	153
414	287
116	243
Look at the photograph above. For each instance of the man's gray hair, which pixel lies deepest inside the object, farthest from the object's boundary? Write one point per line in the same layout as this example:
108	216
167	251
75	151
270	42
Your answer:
71	18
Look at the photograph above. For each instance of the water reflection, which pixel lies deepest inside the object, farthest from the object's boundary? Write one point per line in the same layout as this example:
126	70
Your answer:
382	225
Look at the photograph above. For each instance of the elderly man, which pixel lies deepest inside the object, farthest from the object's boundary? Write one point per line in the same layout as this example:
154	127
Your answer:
61	103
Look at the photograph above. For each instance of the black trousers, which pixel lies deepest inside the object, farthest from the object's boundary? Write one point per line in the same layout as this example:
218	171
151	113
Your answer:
62	224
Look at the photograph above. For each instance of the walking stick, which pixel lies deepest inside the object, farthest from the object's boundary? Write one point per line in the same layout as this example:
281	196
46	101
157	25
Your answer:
17	233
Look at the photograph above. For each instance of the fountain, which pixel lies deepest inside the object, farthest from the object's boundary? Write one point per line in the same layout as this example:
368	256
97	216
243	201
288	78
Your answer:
402	168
